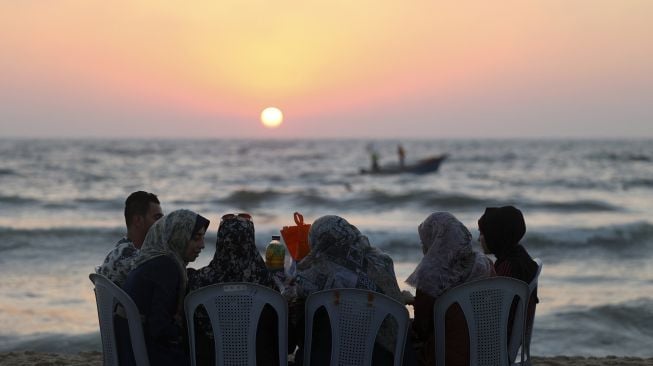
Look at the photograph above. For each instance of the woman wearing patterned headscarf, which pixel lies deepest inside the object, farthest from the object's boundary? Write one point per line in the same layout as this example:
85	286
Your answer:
236	259
341	257
449	260
157	283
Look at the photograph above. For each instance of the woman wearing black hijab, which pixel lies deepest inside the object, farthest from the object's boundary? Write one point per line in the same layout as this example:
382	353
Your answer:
501	230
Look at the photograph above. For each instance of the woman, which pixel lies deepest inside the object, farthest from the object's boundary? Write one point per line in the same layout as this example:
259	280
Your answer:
501	230
236	259
449	260
341	257
157	284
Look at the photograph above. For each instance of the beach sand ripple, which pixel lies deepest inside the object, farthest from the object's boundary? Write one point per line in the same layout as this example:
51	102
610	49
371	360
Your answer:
50	359
95	359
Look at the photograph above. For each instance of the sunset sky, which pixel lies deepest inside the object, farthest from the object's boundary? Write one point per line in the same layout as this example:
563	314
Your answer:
363	69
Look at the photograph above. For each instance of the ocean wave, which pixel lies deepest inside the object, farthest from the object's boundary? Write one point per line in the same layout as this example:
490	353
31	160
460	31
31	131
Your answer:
572	206
95	203
638	183
621	157
622	329
139	148
17	200
98	203
26	239
6	172
249	198
342	197
629	239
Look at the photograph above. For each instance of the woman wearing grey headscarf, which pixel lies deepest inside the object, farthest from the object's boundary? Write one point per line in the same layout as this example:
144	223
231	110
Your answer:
449	260
157	283
341	257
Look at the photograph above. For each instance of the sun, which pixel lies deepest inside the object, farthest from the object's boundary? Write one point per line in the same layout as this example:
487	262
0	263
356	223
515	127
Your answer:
271	117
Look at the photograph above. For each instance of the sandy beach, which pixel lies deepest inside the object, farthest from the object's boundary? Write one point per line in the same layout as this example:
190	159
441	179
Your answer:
95	358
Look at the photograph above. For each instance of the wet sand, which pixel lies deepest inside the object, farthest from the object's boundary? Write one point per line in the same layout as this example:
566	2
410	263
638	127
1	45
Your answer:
95	359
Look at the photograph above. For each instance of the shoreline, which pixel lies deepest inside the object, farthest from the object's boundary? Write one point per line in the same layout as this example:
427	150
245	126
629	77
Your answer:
94	358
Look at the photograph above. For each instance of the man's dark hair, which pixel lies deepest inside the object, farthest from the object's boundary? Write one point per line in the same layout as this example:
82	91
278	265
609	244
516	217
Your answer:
138	203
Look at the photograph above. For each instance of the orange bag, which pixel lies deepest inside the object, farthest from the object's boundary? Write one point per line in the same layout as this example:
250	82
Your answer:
296	237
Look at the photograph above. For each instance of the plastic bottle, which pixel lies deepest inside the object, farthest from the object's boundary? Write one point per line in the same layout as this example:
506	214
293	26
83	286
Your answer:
275	255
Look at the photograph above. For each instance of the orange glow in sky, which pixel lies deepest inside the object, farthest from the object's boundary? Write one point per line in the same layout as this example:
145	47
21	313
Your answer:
439	68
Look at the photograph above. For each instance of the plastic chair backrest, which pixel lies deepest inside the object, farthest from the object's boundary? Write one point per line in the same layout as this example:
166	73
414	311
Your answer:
234	310
514	345
107	296
356	316
486	305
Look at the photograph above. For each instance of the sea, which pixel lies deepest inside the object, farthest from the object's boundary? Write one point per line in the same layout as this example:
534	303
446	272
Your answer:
587	203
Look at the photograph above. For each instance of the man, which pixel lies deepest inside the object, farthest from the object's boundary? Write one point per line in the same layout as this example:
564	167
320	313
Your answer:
402	155
142	209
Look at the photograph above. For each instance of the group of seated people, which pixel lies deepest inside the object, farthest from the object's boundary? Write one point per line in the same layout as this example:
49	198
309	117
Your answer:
150	264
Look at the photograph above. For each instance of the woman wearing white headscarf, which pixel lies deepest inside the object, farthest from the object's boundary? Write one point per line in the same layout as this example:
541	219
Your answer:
157	283
449	260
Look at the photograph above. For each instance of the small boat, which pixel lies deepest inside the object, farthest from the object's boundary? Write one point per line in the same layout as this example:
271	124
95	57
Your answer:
424	166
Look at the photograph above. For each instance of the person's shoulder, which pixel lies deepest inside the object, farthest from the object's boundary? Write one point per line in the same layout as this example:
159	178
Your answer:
158	269
162	262
125	243
125	249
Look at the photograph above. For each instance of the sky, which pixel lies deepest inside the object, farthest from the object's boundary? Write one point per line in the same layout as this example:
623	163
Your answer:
337	69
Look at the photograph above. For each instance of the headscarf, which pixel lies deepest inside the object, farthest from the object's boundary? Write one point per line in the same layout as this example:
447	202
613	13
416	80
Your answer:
502	228
169	236
236	258
450	259
341	257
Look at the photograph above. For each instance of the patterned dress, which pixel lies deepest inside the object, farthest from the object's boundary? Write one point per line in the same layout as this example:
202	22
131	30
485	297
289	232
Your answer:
119	261
236	259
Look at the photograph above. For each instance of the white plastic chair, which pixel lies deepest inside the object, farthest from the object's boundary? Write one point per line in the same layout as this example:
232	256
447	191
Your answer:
356	316
234	310
486	305
107	297
514	345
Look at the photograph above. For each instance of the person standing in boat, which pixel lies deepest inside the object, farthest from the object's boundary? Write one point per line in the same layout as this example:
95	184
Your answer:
374	157
402	155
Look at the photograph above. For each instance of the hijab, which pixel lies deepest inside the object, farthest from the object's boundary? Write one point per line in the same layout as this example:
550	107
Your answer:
502	228
169	236
450	259
341	257
236	258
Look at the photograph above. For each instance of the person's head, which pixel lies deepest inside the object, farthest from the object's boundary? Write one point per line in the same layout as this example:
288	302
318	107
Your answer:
441	232
236	257
179	233
142	210
196	242
501	228
235	234
449	257
331	231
